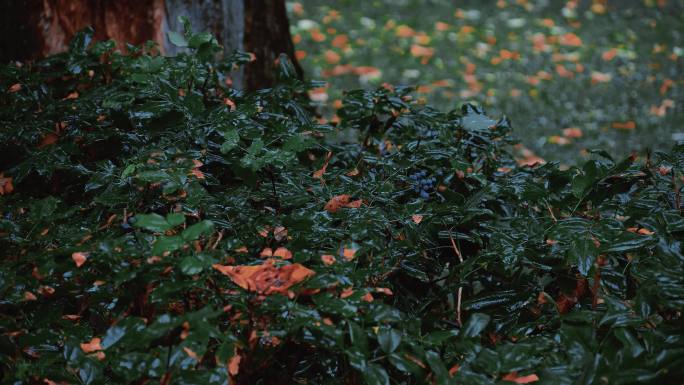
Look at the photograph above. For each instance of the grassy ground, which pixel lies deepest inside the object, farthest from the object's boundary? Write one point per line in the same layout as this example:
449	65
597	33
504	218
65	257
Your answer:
571	75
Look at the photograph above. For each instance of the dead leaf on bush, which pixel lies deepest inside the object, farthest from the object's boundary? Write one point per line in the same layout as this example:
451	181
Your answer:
319	173
79	258
91	346
234	364
266	278
6	186
513	377
339	201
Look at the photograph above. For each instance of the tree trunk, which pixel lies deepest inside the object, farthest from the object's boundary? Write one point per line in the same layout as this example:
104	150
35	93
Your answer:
32	29
223	18
267	34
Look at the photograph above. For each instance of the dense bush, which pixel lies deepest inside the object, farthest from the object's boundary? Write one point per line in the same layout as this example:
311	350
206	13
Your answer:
160	227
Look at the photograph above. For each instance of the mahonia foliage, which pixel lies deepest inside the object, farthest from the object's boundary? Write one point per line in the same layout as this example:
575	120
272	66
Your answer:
160	227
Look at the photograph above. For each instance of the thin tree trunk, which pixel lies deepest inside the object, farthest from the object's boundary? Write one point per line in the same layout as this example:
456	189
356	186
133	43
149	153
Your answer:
267	35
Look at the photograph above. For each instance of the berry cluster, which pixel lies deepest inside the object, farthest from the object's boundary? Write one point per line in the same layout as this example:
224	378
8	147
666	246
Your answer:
422	184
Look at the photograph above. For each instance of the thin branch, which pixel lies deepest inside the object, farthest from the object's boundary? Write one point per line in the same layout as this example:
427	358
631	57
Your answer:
458	306
218	239
459	296
453	245
550	211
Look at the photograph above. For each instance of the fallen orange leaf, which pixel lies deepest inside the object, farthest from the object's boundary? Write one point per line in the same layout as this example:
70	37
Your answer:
264	232
405	31
347	293
48	139
283	253
6	186
191	353
79	258
339	201
600	77
319	173
14	87
340	41
513	377
572	132
454	370
384	290
266	278
317	36
328	259
91	346
609	55
442	26
629	125
667	83
231	104
422	52
332	57
348	254
186	330
664	170
71	95
570	39
234	364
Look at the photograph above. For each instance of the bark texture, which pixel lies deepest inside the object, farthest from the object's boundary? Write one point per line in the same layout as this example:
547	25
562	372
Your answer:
31	29
47	26
225	19
267	35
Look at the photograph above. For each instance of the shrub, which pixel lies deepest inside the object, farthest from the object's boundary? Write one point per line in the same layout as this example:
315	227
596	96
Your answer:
159	226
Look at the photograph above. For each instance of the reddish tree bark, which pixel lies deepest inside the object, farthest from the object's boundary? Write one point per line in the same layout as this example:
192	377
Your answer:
31	29
49	25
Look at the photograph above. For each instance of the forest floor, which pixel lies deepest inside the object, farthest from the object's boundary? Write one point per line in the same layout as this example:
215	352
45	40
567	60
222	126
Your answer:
571	75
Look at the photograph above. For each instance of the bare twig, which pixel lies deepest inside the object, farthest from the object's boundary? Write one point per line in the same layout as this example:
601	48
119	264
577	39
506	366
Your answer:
460	288
550	211
458	306
453	245
218	239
